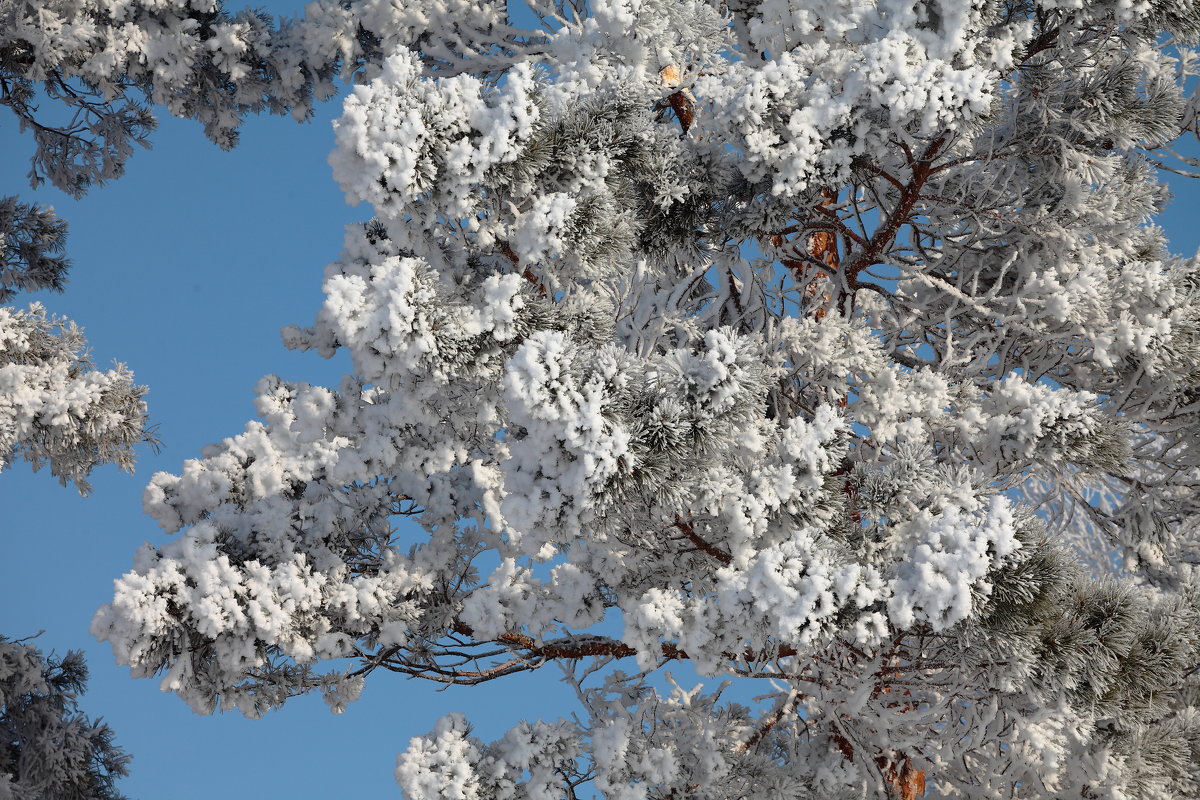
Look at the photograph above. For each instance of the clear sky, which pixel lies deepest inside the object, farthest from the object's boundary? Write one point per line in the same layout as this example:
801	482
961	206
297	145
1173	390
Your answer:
186	269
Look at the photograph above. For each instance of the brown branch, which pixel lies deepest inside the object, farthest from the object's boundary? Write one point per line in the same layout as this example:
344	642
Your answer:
1044	42
883	237
887	176
528	655
897	769
768	722
801	262
839	226
506	249
701	543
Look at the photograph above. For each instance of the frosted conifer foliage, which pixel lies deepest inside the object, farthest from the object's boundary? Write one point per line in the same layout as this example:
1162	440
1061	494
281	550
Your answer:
101	63
82	77
818	345
56	408
50	750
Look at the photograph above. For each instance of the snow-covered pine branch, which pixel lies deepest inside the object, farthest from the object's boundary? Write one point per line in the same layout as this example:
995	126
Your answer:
101	65
82	77
31	245
56	409
51	751
753	326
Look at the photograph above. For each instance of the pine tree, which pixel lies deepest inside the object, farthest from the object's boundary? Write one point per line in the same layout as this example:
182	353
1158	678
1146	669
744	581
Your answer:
48	749
31	241
827	347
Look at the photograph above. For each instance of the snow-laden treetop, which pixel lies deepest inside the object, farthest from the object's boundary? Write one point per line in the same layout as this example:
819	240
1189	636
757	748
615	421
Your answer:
825	345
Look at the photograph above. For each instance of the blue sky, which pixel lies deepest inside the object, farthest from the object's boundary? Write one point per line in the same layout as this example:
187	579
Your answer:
186	269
